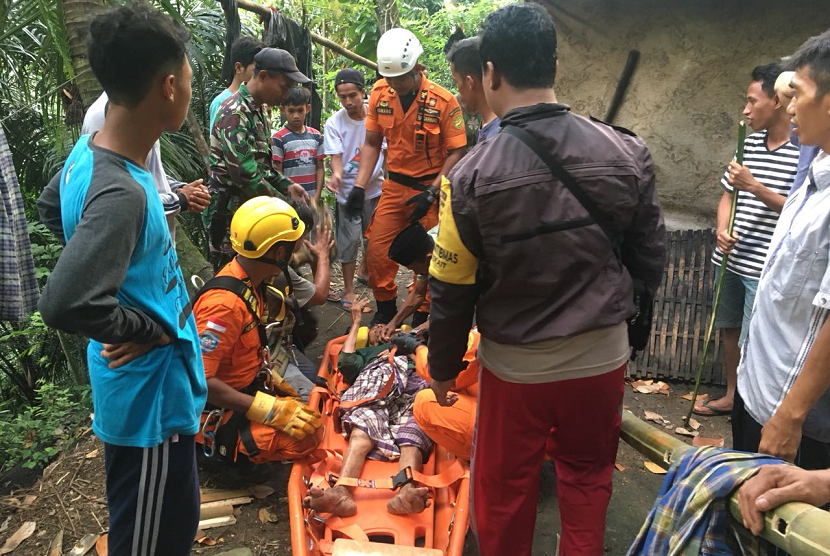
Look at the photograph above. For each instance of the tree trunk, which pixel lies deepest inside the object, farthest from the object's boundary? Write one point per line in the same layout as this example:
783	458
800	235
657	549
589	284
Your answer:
198	136
74	348
77	15
192	261
388	16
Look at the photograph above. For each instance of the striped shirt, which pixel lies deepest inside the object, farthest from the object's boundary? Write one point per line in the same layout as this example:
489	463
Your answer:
791	306
755	221
298	153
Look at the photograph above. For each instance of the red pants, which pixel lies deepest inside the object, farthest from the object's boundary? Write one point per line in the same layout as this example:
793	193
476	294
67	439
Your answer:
579	421
390	218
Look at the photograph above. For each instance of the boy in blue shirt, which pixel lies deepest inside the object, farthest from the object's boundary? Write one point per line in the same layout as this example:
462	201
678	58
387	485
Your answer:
118	282
243	51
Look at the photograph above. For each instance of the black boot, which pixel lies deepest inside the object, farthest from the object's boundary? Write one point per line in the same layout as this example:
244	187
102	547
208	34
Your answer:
386	312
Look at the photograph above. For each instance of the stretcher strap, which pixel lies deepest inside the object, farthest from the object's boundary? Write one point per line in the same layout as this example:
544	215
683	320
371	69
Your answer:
351	530
443	479
383	391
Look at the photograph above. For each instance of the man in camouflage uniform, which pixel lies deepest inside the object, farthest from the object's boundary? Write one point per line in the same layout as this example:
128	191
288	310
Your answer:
240	148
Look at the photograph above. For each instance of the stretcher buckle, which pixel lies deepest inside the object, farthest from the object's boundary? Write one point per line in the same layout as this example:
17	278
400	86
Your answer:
403	477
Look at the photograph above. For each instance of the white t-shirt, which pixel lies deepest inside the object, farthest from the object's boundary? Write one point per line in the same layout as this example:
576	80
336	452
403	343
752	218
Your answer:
345	136
94	121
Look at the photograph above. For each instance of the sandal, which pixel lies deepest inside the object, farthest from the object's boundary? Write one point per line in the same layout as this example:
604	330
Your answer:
334	296
712	411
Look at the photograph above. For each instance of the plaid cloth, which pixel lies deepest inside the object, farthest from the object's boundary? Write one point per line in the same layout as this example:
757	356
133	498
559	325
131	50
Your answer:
691	515
388	421
18	285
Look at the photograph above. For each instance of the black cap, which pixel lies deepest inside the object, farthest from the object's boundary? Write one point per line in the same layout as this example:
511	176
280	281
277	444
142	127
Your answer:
277	59
412	244
349	75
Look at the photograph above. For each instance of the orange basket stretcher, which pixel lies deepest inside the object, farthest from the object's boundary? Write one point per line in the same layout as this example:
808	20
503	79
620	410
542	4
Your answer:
439	530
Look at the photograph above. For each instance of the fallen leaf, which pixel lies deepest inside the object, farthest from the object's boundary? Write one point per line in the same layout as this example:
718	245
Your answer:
58	431
685	432
92	454
663	388
652	416
101	545
654	468
694	424
29	500
82	546
700	397
261	491
56	546
12	501
620	468
206	541
702	441
265	516
5	524
24	532
643	389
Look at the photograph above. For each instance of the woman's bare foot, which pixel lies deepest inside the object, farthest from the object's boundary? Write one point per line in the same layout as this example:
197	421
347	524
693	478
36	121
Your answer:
410	500
336	500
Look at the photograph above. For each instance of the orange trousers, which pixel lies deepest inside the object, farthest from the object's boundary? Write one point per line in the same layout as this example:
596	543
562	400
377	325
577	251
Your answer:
390	218
451	427
273	445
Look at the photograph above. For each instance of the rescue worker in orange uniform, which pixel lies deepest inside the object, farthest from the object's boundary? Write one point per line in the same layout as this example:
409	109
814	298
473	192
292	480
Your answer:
452	426
424	131
252	415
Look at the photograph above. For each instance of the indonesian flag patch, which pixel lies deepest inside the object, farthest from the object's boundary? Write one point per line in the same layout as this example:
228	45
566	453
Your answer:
218	325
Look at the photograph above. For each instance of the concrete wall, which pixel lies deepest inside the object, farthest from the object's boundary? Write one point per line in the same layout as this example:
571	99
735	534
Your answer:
686	97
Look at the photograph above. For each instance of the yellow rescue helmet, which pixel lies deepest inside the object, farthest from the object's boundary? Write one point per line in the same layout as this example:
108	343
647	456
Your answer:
261	222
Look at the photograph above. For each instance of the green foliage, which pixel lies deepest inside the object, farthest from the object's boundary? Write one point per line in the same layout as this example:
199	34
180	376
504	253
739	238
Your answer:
45	250
35	434
433	28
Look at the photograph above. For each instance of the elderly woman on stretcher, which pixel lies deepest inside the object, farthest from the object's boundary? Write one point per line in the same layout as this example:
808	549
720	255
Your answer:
376	414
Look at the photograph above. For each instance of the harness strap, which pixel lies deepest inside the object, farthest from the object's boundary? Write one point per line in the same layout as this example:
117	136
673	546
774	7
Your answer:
411	181
245	291
383	391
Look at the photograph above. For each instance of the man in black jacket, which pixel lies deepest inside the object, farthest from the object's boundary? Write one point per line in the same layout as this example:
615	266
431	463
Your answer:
551	291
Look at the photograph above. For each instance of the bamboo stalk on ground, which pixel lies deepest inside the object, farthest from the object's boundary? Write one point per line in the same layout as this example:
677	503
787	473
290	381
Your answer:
739	158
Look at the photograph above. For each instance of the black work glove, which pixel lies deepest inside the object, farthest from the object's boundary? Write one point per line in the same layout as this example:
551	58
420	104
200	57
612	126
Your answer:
422	201
406	343
354	204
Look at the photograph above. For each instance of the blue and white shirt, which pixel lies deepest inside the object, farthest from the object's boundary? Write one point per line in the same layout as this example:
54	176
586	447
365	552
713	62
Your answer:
791	305
118	280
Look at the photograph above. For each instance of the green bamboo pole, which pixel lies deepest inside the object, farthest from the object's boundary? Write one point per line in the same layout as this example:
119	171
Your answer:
798	528
739	158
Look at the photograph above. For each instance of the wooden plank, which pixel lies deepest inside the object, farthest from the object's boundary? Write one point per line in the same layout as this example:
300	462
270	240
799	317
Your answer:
229	502
214	495
217	522
212	512
679	304
690	292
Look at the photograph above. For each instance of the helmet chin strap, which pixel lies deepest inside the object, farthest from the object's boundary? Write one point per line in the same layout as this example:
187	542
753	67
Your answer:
282	264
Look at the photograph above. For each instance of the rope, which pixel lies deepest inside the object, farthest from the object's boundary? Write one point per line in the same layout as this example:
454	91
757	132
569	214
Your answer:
43	96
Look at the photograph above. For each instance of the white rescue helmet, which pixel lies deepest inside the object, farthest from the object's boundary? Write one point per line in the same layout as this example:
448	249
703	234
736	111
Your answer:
398	52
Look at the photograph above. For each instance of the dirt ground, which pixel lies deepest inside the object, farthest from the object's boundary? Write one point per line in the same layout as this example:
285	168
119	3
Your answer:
70	497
